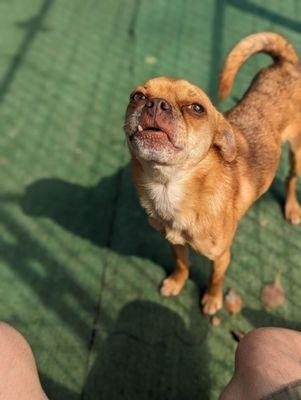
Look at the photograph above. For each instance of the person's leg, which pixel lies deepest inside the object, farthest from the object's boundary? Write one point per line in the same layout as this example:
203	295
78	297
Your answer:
266	360
19	378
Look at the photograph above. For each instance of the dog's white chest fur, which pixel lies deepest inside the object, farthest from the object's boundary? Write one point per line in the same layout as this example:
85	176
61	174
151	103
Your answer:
163	199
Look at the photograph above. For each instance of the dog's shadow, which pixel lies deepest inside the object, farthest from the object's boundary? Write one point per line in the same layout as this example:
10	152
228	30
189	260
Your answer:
91	212
108	215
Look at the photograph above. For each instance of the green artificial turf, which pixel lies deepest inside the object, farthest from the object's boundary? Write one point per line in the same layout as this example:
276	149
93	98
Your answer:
79	265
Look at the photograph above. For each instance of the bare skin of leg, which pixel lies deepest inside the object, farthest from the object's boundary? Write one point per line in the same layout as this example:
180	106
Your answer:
212	300
173	284
266	360
292	207
19	378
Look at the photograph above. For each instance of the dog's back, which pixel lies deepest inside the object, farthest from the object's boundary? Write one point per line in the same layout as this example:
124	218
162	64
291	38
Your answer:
270	110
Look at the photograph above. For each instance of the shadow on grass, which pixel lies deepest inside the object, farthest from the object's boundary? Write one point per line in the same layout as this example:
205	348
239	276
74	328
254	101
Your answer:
51	288
263	318
149	355
32	27
217	42
107	214
59	392
264	13
277	190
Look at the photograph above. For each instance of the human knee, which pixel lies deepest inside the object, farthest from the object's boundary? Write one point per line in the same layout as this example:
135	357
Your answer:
18	372
254	344
9	335
263	346
12	343
265	358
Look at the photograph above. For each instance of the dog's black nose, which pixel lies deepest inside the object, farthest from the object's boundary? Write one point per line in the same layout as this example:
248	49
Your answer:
158	104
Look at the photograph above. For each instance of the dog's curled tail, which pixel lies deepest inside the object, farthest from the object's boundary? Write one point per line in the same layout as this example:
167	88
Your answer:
264	42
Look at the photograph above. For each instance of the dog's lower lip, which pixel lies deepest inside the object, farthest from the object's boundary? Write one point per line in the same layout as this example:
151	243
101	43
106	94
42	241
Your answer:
154	131
140	129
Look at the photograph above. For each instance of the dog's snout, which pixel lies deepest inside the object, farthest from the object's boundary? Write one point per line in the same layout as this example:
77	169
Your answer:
157	104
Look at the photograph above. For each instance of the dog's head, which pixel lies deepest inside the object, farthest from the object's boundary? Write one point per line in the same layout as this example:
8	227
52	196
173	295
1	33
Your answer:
169	121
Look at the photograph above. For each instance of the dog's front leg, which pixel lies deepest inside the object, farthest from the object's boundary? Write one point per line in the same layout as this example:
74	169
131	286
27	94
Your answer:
212	300
173	284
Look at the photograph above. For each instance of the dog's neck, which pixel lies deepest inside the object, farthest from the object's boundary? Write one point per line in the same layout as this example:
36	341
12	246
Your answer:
165	173
161	174
164	186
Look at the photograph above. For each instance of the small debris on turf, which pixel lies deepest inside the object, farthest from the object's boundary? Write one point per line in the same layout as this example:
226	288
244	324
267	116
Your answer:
237	335
215	321
233	301
273	295
150	60
263	222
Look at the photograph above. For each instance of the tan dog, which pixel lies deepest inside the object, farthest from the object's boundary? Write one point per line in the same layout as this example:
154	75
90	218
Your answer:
197	171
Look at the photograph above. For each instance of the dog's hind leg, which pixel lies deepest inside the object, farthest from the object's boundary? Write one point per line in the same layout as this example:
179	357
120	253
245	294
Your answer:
292	207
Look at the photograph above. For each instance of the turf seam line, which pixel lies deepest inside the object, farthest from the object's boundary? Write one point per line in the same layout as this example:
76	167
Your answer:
132	37
102	281
29	37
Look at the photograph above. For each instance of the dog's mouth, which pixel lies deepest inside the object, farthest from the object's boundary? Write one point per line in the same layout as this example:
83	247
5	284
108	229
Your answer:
144	130
153	134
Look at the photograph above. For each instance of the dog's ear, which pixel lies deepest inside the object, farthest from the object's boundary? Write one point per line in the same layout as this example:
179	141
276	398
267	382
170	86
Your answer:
224	139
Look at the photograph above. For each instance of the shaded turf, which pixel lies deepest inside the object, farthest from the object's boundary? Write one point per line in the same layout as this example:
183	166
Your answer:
80	267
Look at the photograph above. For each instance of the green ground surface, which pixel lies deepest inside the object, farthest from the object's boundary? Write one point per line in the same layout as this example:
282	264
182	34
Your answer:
79	266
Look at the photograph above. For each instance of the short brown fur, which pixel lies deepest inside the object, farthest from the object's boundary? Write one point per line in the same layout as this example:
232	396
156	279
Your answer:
198	172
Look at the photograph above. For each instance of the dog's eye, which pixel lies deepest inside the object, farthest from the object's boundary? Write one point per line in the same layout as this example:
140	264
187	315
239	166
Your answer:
138	96
197	108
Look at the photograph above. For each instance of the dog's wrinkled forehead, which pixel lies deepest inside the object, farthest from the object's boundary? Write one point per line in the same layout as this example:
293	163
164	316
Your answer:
175	90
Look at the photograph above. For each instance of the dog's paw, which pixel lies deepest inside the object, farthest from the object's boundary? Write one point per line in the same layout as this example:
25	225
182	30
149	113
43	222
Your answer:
211	303
171	286
293	213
